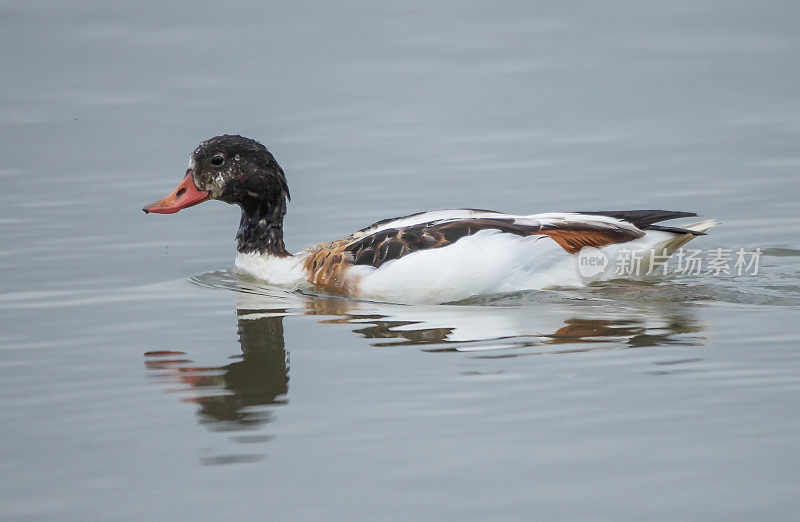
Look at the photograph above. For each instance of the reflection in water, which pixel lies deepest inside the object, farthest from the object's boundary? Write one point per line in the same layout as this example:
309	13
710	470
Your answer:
590	325
228	395
633	333
234	396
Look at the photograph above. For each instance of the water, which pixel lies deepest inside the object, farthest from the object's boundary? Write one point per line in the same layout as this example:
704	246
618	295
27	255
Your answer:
142	379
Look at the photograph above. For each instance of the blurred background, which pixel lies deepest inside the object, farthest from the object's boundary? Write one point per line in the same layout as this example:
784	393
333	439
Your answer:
377	109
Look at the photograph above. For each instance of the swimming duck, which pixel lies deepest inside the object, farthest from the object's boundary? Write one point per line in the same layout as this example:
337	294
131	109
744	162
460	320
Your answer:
427	257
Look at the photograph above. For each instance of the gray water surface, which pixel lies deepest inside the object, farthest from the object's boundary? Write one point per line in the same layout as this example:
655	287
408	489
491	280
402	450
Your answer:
143	379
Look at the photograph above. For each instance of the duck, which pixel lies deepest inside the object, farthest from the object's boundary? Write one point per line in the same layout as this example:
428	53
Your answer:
438	256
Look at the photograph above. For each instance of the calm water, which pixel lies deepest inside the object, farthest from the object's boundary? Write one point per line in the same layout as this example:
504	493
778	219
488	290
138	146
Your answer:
142	379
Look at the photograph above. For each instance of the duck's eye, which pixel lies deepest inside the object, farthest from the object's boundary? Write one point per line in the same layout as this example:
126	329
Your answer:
218	160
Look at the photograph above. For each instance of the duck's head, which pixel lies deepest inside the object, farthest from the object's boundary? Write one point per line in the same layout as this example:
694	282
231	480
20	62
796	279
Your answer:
233	169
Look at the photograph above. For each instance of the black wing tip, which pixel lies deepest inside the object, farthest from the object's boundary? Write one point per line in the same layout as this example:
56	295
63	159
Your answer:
676	230
642	218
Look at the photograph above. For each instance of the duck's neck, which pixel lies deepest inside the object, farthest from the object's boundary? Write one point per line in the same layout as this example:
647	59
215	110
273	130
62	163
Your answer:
261	228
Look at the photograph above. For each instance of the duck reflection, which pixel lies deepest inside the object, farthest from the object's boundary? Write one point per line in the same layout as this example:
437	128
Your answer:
243	394
229	396
508	329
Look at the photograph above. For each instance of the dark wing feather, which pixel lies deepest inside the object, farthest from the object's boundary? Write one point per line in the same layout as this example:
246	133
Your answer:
675	230
642	218
645	219
394	243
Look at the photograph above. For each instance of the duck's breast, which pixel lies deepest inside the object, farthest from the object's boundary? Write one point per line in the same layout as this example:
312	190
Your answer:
284	271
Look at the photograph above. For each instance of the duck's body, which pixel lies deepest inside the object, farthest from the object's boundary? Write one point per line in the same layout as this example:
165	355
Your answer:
433	257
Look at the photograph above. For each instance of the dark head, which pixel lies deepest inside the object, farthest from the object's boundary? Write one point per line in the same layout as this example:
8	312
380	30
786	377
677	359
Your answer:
239	171
229	168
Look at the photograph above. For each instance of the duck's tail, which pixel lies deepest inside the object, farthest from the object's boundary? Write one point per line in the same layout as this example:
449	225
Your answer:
685	234
662	242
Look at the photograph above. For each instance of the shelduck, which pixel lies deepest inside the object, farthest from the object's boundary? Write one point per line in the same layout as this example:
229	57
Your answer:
428	257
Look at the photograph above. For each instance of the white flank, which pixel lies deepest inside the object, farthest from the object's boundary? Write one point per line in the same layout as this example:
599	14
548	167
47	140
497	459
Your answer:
487	262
